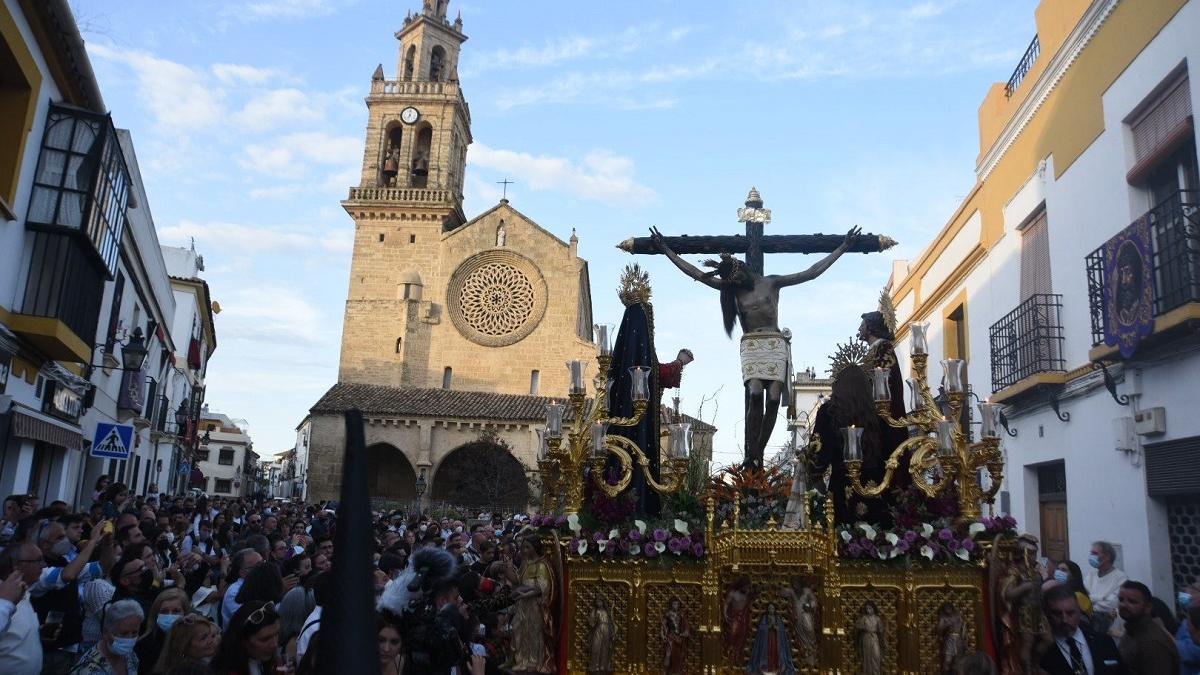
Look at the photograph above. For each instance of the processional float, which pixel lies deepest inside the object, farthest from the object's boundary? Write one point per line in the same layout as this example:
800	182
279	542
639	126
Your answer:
666	568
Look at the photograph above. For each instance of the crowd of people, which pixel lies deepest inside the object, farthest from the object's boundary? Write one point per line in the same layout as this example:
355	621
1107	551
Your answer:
196	584
1104	623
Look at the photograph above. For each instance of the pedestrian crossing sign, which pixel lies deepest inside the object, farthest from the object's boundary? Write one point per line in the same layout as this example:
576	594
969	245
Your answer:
112	440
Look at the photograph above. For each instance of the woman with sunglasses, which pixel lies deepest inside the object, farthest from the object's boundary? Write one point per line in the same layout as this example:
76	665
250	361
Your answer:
166	609
251	641
191	641
114	654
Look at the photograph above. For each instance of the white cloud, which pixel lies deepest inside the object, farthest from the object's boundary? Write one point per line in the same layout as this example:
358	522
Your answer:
601	175
273	313
279	106
286	156
248	239
269	9
178	96
573	48
238	73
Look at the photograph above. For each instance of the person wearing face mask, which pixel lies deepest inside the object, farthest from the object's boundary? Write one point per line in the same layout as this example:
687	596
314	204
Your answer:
168	607
1103	584
1067	573
63	647
114	654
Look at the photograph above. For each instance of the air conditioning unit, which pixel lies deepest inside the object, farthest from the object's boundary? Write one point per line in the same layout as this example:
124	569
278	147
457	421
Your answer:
1150	422
1123	439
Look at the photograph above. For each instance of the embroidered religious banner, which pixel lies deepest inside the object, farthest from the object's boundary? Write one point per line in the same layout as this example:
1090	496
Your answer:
1129	287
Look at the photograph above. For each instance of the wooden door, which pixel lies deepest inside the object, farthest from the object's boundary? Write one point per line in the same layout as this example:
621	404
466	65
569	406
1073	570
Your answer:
1054	530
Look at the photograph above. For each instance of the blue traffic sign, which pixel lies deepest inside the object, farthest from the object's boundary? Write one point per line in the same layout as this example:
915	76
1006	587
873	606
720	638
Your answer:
112	440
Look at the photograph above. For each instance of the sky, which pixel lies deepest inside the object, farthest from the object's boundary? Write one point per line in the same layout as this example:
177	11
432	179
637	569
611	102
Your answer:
248	121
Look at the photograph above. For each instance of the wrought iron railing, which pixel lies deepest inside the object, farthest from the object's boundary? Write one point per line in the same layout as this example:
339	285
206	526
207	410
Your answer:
1175	244
1023	67
1027	341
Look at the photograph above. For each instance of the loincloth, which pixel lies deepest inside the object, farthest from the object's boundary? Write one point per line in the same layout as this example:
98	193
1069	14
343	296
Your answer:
767	356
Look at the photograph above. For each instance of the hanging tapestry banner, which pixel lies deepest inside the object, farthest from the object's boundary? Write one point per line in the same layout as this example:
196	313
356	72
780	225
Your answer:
1129	287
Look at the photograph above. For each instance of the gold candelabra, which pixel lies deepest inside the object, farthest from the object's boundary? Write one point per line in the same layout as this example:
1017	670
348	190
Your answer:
588	445
938	441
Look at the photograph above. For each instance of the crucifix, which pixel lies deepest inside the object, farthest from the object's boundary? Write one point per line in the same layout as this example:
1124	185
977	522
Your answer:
506	182
752	299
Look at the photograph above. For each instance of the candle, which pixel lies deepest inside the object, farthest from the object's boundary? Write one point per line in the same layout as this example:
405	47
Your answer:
914	390
881	384
577	368
852	437
603	335
554	420
920	344
599	432
945	435
952	371
680	440
988	412
675	408
639	384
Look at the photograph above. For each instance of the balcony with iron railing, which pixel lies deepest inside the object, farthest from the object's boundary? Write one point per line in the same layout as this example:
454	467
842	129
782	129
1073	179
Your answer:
1026	346
1175	261
1023	67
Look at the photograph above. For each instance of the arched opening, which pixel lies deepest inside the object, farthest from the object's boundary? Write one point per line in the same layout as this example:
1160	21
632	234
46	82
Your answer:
437	61
447	377
420	156
482	474
390	476
390	162
410	60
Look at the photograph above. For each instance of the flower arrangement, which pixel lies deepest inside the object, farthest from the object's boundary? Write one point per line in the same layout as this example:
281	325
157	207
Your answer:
679	540
939	541
761	496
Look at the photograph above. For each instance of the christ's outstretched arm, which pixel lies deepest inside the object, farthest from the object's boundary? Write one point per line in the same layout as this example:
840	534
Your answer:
687	268
821	265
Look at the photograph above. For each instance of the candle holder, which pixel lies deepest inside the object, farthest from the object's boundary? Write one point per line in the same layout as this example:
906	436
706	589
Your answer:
603	333
880	385
936	440
588	444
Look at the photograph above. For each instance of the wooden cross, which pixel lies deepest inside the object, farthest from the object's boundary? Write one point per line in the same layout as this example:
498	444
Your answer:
506	182
754	243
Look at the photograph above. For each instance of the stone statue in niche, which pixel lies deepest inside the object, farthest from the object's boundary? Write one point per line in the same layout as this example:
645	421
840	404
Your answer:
600	641
804	618
501	234
951	632
674	634
868	638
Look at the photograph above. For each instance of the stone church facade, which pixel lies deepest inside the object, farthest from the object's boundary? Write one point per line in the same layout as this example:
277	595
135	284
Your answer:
456	332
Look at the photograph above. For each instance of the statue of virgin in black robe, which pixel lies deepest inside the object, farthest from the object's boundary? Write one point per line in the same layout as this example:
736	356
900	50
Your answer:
634	346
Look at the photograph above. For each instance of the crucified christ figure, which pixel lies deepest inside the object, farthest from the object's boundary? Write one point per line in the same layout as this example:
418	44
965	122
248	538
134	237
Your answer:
753	300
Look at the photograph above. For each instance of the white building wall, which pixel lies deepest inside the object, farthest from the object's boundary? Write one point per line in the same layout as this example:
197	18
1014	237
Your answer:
1087	205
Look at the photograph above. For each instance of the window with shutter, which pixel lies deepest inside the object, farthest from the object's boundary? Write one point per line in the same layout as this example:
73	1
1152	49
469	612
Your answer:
1035	258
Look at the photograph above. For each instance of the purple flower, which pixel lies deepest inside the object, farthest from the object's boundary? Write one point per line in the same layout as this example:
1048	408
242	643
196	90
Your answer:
560	521
953	545
660	535
677	545
623	546
854	549
910	536
649	550
968	544
634	535
599	536
945	534
574	545
988	522
698	550
902	546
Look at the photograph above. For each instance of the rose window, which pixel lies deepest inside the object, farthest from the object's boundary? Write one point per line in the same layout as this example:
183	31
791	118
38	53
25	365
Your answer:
496	298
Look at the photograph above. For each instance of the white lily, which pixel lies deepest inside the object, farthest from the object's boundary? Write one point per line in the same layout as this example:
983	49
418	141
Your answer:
926	530
614	533
846	537
680	526
640	525
573	523
635	549
927	552
601	545
881	554
891	538
963	553
582	547
893	553
659	546
867	530
975	529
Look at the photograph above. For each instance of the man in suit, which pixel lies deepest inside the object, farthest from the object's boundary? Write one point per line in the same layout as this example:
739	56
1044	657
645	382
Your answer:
1076	649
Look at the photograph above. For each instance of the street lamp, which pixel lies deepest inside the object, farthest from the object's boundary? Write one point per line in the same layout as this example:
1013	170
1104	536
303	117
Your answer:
421	484
181	417
133	353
